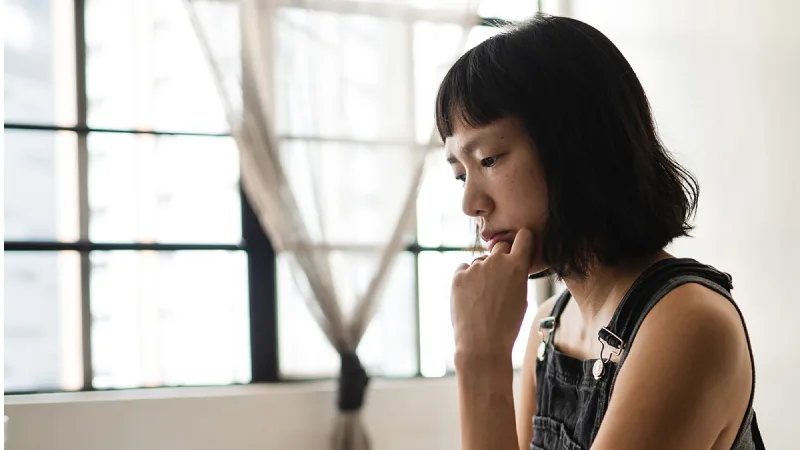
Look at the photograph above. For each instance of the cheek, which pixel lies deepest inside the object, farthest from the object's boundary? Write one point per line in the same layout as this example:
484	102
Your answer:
530	202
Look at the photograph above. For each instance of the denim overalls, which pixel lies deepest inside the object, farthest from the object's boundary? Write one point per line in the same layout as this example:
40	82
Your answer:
572	395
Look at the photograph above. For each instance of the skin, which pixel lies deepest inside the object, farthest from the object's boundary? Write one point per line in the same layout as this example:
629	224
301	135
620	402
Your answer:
686	381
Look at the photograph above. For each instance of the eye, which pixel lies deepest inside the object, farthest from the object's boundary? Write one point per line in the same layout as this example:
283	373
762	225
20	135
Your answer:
490	161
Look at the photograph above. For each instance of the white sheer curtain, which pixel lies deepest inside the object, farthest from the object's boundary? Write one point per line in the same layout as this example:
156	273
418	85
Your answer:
320	99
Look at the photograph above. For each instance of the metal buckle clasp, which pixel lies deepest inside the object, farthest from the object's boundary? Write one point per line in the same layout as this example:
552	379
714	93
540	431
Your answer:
606	337
547	324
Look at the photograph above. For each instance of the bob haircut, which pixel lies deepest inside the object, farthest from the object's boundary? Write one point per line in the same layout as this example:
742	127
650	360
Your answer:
615	193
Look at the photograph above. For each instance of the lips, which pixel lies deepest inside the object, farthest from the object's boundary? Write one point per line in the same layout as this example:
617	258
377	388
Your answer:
492	238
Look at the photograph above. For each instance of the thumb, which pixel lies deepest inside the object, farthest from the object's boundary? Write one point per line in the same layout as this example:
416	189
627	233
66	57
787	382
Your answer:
522	247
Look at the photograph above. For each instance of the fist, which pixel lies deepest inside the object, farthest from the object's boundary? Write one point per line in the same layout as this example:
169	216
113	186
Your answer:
489	299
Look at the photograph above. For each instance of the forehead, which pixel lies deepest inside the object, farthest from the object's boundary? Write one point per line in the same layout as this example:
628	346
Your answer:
467	139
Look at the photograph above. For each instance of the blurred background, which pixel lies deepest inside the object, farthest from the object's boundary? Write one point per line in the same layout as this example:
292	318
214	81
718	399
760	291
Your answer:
134	257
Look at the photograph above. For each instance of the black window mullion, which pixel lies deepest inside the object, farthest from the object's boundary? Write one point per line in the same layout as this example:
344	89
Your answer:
261	274
88	246
83	129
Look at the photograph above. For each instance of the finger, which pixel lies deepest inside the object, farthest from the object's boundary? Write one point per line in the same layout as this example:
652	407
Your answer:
479	258
458	276
501	247
523	245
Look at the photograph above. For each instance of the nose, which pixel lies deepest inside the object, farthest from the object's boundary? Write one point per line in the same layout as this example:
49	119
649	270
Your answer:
476	201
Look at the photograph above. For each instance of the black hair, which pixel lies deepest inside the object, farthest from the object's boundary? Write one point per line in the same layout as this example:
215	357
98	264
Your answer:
614	191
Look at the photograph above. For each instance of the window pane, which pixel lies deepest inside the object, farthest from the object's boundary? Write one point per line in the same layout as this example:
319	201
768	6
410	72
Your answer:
40	182
389	345
507	9
39	69
348	193
342	76
479	34
169	318
436	48
436	331
163	189
145	68
440	220
42	321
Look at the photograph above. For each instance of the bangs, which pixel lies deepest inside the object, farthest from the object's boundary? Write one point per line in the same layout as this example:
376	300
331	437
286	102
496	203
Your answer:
470	92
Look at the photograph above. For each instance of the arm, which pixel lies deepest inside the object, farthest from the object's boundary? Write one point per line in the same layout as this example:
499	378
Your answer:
488	302
683	377
486	402
486	397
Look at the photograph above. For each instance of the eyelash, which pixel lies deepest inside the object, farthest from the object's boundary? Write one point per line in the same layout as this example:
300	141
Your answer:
490	161
485	162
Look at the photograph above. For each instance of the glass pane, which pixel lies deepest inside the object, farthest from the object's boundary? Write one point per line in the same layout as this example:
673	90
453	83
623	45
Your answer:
507	9
436	330
145	68
349	194
436	48
145	188
39	69
480	34
42	321
389	345
169	318
440	220
342	76
41	186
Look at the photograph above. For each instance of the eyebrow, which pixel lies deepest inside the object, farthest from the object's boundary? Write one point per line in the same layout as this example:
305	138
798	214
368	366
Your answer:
469	147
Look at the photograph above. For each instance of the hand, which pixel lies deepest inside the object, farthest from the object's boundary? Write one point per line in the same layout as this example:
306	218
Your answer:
489	299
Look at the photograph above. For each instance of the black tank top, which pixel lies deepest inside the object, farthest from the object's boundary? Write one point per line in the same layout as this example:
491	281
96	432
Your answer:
572	395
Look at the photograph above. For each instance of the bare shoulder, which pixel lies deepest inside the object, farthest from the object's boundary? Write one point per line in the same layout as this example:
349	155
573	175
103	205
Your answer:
703	331
699	330
695	315
687	376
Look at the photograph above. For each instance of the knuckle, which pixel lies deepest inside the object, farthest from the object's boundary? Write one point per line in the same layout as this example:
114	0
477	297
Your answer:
459	278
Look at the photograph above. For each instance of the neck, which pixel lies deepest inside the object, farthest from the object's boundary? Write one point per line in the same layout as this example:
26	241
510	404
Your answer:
599	293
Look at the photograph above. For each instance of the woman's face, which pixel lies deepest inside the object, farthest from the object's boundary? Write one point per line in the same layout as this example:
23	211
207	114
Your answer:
504	184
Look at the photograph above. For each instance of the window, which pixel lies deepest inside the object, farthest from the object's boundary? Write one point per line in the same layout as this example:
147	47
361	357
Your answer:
132	258
125	259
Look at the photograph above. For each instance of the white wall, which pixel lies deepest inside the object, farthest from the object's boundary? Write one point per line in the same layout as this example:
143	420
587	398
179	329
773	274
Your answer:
724	80
417	414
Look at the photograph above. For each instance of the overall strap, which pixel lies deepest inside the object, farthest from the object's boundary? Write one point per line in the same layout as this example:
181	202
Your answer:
547	326
561	304
644	293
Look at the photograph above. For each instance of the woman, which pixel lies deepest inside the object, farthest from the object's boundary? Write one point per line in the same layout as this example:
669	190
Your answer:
550	131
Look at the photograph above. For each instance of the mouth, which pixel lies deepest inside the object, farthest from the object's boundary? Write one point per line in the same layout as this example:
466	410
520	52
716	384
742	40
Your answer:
494	238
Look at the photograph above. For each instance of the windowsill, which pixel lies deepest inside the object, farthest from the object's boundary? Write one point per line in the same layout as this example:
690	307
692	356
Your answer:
268	389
